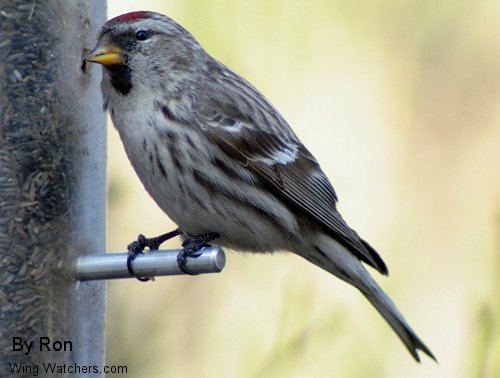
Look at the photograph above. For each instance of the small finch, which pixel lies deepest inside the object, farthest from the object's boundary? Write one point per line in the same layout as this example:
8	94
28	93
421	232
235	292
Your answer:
221	161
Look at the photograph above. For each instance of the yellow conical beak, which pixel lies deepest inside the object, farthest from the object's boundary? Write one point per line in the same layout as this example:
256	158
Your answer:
106	55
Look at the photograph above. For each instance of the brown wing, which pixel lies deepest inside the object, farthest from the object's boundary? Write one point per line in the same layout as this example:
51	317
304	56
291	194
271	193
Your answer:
261	140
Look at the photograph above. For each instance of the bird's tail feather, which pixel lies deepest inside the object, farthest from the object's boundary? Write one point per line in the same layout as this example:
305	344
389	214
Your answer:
384	305
336	259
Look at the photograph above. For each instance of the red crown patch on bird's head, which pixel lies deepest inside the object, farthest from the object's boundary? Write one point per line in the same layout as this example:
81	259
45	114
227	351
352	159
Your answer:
130	17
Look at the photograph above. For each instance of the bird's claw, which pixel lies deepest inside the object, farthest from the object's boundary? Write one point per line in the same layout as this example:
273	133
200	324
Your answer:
137	248
192	248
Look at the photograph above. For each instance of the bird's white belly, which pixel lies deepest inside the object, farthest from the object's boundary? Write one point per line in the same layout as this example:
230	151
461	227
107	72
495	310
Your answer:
166	164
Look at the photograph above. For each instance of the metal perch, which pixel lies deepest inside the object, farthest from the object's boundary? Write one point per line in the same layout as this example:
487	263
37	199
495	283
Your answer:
104	266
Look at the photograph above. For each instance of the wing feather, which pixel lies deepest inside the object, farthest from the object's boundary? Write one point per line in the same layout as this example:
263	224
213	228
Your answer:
260	139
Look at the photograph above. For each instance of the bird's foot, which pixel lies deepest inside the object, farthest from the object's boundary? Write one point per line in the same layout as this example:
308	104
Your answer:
137	248
191	248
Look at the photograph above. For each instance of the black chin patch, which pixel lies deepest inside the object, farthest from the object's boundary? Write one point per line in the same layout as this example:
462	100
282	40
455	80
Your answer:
120	78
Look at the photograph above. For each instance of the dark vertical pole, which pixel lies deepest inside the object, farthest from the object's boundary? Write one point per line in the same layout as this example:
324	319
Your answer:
52	186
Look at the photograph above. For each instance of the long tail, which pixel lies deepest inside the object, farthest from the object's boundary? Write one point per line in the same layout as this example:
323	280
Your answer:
336	259
385	306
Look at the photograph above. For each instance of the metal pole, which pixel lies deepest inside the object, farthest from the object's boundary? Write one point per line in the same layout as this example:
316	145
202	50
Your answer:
103	266
52	188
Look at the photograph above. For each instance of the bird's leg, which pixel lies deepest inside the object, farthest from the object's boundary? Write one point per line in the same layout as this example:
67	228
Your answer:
137	247
191	248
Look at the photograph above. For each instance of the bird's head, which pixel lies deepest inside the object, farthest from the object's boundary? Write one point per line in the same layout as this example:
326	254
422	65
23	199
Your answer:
142	47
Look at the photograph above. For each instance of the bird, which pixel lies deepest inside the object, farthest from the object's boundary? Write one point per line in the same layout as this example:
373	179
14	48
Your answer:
221	161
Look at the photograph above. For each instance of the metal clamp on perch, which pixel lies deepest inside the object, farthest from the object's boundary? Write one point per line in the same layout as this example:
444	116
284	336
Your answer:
104	266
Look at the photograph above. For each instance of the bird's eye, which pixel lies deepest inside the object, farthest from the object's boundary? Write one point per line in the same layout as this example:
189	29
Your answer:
141	35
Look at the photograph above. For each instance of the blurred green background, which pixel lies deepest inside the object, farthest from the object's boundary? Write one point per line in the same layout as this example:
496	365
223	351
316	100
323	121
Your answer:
400	102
